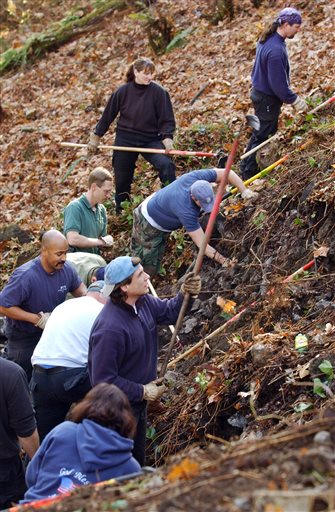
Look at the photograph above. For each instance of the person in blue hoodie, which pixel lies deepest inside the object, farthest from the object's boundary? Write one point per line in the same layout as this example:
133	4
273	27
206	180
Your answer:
271	82
94	446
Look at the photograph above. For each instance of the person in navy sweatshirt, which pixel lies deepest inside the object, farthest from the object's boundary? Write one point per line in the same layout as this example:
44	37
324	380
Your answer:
124	344
94	446
145	119
271	82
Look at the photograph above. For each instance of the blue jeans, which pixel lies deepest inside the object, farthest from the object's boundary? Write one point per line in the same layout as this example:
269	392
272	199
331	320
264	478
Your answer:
124	163
267	109
54	391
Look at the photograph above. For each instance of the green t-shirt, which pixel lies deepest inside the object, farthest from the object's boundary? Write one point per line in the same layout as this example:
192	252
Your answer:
80	217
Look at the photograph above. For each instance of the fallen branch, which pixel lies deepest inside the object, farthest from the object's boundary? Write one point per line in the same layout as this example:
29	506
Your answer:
56	35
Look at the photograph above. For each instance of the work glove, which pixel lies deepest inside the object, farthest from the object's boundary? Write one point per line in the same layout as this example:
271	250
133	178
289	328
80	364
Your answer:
108	240
249	194
153	390
93	143
43	318
300	105
168	144
191	285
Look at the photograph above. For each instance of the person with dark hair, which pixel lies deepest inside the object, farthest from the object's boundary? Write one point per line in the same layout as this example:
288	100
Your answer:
85	219
123	343
145	120
17	431
178	205
271	82
59	360
94	445
33	292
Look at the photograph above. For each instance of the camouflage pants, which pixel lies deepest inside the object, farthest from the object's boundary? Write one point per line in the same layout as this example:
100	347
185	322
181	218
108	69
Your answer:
147	242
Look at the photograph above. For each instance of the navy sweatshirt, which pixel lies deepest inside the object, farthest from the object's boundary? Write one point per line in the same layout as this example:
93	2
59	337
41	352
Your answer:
271	71
123	343
143	109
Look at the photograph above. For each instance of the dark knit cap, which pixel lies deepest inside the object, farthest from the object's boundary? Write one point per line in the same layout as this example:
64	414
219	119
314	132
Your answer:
289	15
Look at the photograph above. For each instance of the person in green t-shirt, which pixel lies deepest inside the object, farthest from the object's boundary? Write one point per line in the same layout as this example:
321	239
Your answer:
85	219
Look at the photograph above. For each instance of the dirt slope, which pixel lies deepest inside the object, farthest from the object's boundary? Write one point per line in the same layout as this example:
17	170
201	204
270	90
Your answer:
248	419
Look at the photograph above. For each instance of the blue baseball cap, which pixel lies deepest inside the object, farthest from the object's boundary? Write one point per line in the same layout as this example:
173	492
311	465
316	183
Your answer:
202	191
117	271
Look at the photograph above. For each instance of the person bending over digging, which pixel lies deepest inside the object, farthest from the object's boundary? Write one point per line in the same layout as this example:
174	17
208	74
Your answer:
175	206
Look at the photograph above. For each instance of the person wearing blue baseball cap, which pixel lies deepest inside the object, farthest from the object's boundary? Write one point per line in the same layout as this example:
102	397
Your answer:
178	205
123	347
271	82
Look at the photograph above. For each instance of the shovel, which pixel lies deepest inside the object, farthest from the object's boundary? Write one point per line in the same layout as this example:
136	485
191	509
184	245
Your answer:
251	121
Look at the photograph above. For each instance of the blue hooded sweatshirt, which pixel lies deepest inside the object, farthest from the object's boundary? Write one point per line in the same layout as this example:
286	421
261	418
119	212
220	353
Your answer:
271	71
75	454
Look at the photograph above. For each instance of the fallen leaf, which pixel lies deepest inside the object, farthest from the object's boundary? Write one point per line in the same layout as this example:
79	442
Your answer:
303	370
227	306
183	471
321	251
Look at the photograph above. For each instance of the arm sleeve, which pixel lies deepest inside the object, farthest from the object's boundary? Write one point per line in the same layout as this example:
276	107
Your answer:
104	365
279	80
189	222
166	120
72	218
166	311
20	411
16	291
76	281
104	217
109	114
33	469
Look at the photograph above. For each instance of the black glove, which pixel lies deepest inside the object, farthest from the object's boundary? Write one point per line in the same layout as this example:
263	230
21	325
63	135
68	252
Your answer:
191	285
222	160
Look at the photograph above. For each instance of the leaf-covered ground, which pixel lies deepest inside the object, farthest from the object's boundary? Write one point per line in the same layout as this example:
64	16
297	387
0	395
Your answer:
248	421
